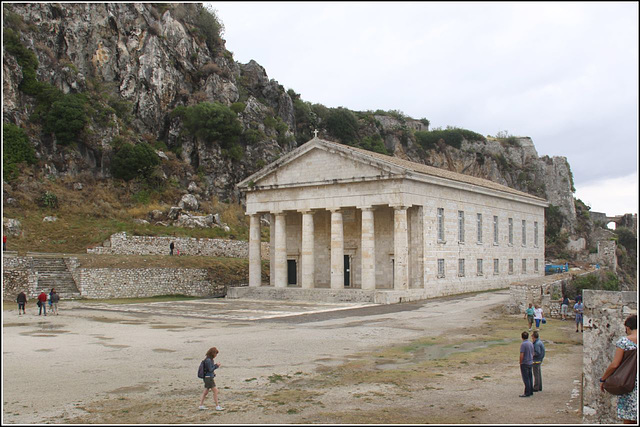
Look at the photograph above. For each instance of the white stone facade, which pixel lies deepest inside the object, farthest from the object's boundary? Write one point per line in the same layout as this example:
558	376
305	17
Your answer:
342	217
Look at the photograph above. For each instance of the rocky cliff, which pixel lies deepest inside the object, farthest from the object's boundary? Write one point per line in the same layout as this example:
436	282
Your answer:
136	64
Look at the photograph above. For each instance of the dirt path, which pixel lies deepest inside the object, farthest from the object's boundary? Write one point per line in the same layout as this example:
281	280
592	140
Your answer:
450	360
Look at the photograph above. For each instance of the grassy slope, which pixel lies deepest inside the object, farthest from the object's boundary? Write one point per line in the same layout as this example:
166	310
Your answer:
87	217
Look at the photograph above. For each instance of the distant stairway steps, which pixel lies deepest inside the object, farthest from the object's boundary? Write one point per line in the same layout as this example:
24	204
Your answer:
52	272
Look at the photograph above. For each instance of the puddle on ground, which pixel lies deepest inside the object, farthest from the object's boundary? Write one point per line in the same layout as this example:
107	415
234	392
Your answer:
434	352
166	327
15	324
131	389
41	333
163	350
45	350
111	345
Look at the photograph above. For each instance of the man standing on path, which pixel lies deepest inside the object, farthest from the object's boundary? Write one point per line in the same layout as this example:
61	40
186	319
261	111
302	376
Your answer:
171	246
538	356
42	303
564	307
579	309
526	362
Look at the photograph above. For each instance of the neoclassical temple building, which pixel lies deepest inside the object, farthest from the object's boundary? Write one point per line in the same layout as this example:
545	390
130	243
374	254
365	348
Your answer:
362	226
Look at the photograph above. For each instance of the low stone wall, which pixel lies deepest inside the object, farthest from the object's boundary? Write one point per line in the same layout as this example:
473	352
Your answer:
145	282
544	291
604	316
17	276
125	244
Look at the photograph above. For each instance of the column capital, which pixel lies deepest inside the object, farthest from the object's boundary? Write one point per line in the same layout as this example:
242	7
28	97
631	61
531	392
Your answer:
306	211
335	210
399	207
366	208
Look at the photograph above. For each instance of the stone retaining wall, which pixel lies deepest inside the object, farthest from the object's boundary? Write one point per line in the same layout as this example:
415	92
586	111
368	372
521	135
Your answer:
604	316
17	276
125	244
145	282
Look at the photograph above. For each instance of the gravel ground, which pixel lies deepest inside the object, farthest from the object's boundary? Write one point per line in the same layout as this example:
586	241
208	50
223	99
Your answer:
283	363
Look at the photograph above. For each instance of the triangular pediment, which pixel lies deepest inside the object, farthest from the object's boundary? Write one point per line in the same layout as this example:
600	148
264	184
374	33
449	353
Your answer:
317	162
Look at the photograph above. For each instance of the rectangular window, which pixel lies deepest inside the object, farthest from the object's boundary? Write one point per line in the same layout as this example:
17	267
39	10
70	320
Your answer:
461	267
496	266
511	231
510	266
524	232
479	221
461	226
441	267
535	233
479	267
440	224
495	230
524	266
536	266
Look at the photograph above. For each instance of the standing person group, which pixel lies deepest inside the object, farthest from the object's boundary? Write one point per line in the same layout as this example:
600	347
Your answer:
532	354
628	402
209	382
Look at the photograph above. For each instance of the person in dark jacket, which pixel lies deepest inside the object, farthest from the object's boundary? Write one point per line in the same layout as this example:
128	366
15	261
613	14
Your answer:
54	297
538	356
22	301
209	383
171	246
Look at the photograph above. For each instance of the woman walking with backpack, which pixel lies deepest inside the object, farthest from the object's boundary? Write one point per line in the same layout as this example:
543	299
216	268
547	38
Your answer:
209	383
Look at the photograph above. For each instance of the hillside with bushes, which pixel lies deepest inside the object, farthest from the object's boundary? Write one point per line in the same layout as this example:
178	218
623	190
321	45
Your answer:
114	114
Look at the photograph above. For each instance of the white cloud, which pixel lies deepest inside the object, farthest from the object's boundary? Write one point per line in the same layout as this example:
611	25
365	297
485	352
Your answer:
615	196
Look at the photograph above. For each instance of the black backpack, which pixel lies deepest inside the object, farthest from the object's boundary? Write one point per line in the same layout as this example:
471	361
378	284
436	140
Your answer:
201	369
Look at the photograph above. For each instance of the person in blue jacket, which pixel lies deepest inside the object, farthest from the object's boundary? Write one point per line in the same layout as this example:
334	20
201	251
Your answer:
538	357
209	382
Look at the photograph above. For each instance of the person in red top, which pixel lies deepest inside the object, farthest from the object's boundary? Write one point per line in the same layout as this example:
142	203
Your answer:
42	303
4	242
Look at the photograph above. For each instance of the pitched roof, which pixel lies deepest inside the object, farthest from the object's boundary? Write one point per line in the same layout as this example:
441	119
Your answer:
391	161
434	171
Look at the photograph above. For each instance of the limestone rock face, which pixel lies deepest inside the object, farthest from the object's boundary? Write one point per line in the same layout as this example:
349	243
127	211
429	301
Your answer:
152	58
189	202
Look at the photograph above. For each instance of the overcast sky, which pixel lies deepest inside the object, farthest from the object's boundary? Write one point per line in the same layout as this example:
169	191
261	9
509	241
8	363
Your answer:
564	74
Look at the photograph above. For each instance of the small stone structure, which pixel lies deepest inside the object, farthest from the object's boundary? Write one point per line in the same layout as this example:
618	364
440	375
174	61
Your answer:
604	316
125	244
544	291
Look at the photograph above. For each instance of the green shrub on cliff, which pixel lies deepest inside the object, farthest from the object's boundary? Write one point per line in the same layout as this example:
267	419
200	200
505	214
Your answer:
16	149
134	161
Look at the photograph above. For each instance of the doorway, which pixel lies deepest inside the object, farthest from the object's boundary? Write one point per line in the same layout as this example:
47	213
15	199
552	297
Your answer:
347	271
292	272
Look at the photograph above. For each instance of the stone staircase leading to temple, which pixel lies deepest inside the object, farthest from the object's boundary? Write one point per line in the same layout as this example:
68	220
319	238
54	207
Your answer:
52	272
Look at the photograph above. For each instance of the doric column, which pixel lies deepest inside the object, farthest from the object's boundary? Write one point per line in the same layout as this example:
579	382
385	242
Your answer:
400	248
307	261
272	250
337	250
368	250
255	272
280	260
